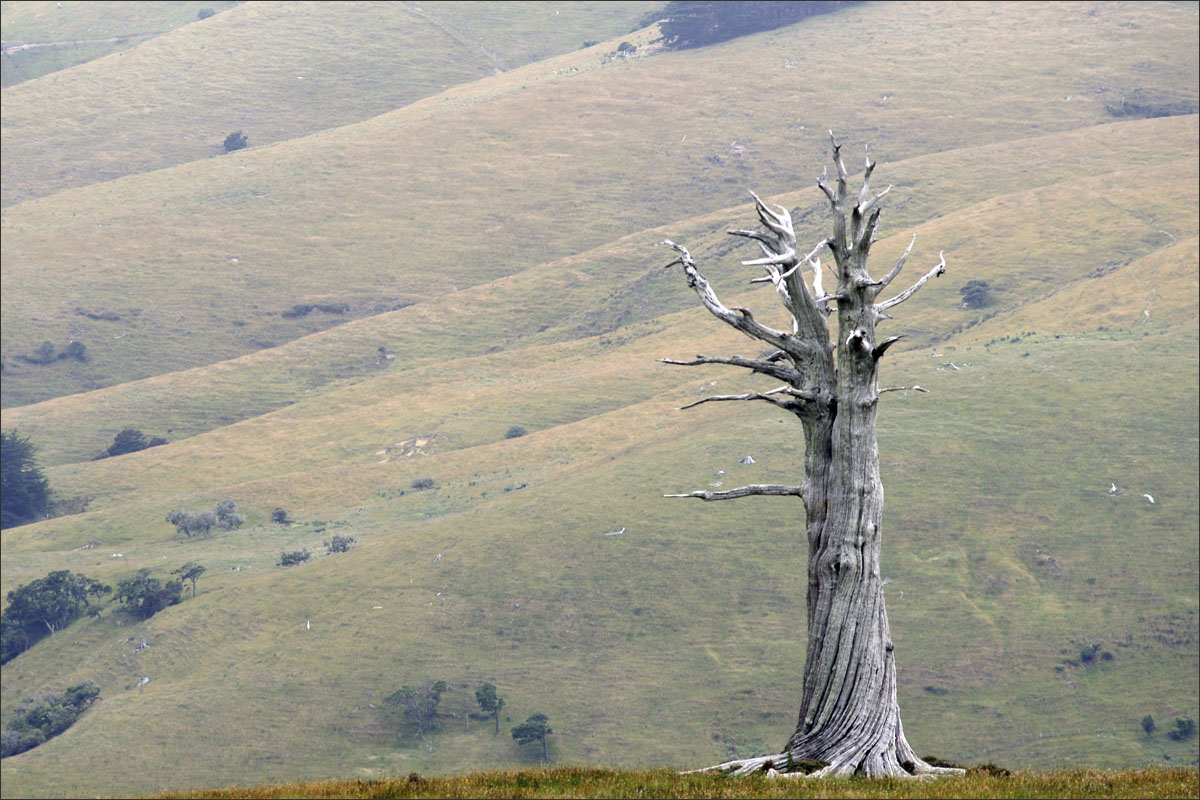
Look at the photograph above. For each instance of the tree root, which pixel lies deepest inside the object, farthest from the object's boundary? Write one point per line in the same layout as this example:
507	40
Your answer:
775	766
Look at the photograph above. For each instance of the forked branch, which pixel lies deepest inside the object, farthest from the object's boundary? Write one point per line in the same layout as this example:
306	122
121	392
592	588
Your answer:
743	321
910	291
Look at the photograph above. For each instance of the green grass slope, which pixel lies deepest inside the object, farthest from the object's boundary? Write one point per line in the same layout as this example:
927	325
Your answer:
681	642
963	198
526	167
275	70
1007	553
44	36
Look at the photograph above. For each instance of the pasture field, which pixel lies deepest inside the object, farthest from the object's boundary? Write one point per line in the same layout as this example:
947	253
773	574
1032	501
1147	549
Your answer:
487	245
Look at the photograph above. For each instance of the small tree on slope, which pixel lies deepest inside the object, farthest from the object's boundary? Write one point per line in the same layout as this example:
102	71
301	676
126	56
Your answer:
849	717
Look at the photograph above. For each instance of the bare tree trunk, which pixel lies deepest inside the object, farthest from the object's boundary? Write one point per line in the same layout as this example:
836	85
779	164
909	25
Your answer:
849	718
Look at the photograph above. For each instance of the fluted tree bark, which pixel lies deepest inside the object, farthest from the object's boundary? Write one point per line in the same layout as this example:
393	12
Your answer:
849	718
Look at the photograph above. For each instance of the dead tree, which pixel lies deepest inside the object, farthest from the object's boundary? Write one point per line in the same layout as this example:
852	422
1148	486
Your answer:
849	717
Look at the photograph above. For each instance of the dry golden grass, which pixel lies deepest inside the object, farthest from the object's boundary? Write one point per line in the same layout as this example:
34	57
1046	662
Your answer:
573	783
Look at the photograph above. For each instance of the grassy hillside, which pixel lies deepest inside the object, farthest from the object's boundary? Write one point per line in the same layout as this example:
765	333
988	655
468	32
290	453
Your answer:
173	98
44	36
515	223
521	169
599	290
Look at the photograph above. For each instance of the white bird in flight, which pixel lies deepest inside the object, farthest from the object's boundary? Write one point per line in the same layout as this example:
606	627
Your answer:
1112	489
618	533
1148	497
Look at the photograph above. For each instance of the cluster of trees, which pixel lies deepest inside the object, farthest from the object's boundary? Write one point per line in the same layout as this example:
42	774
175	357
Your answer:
189	523
44	606
130	440
1185	728
44	717
144	596
696	24
420	704
24	490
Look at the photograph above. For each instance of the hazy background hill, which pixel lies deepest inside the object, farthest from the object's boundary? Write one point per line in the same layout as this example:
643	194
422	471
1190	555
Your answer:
485	242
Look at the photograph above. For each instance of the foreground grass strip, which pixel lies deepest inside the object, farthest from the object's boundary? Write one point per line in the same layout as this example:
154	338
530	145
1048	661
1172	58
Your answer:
582	782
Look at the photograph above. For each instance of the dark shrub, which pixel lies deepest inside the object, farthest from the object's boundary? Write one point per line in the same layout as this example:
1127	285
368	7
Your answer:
76	350
280	516
234	141
515	431
1185	728
339	544
422	483
204	13
290	559
975	294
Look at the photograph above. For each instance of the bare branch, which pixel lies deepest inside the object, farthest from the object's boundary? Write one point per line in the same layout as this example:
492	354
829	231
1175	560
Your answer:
913	388
882	347
837	159
824	187
772	489
864	208
899	264
785	404
866	182
743	321
910	291
778	221
783	276
774	369
788	405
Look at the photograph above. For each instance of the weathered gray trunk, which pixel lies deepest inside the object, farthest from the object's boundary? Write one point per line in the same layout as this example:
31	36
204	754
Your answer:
849	718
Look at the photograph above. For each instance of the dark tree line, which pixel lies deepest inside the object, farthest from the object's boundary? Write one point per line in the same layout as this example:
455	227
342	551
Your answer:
24	490
44	606
696	24
44	717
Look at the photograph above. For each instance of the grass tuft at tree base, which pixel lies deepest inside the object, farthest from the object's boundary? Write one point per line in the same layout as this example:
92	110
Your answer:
593	782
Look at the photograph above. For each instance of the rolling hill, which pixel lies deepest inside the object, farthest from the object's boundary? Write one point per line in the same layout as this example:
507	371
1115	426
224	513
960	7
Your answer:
493	245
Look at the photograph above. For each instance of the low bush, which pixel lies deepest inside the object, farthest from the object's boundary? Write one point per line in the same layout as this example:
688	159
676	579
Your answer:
422	483
234	141
294	557
339	544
